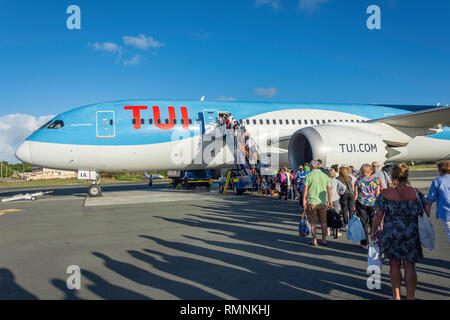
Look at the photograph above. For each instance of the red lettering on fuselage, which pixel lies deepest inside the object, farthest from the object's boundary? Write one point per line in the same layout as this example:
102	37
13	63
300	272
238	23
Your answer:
136	114
170	124
157	118
185	117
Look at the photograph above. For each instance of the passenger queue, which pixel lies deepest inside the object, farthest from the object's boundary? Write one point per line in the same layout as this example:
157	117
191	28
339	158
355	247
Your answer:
373	205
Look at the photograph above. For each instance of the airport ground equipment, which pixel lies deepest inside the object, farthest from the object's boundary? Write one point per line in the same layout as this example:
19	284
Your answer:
227	183
27	196
176	176
239	181
194	178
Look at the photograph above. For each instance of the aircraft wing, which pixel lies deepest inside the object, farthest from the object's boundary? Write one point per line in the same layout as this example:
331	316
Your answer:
431	118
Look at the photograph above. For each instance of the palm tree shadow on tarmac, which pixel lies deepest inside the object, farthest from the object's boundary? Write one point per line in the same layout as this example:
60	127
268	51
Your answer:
10	290
147	278
253	253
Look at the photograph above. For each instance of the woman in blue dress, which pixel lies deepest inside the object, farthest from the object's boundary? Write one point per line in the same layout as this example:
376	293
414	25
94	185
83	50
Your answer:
398	209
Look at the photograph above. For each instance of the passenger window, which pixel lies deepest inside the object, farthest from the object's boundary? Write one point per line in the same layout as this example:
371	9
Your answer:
267	121
299	121
281	121
293	121
335	120
274	121
254	121
287	121
261	121
190	121
150	121
317	121
340	120
323	121
133	121
142	121
329	120
182	121
311	121
352	120
174	121
111	122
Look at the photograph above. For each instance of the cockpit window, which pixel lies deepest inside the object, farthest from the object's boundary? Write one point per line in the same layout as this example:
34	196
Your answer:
57	124
45	125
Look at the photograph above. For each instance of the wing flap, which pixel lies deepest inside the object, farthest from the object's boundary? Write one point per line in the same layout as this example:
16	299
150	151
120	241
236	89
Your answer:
435	118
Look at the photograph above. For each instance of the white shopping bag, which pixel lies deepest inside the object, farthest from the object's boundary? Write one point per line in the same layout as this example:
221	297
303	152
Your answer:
374	257
426	232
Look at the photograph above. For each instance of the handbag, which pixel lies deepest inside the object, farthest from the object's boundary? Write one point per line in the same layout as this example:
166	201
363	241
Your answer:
304	228
374	257
355	230
426	230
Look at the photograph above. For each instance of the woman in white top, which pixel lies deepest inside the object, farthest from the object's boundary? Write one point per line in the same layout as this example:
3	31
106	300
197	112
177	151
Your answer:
337	189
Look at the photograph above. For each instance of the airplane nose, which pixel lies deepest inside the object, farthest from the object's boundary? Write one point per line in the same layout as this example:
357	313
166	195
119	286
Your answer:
23	152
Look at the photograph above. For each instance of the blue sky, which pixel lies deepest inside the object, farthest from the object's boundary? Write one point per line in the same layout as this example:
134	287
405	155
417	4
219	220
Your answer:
305	51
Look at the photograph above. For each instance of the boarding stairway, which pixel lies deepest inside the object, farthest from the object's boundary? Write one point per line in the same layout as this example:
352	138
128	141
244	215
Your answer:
245	158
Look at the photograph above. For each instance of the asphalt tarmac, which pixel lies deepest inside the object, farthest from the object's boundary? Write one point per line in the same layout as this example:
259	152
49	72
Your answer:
136	243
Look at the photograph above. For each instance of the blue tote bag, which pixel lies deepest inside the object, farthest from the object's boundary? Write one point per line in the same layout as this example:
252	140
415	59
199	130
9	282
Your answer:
355	230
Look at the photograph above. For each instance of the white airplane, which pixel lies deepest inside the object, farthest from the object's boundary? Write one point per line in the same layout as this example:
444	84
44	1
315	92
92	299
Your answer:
142	135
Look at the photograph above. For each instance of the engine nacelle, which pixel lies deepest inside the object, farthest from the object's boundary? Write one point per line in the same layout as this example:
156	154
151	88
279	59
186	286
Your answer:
336	145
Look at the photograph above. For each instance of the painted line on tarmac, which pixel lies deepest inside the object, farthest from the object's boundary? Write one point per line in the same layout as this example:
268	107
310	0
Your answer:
9	211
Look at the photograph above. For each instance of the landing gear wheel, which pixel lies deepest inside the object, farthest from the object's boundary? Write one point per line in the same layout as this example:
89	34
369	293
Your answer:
220	188
33	198
235	190
95	190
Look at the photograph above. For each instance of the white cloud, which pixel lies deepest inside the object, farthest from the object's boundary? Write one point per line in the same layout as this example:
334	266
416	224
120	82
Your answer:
201	35
274	3
106	46
222	98
14	129
310	6
110	47
265	92
142	42
136	59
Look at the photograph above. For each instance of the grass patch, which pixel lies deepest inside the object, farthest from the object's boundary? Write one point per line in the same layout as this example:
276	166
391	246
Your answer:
423	167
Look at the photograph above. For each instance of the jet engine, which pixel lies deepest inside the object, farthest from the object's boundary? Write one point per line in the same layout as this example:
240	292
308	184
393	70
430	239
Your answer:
335	144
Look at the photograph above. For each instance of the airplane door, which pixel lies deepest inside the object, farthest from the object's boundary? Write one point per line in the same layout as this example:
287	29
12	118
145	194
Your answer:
106	124
210	119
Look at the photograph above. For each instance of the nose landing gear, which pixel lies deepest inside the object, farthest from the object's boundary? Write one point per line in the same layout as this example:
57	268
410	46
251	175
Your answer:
95	190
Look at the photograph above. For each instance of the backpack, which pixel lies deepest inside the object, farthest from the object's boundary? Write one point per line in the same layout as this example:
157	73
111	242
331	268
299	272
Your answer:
283	178
333	219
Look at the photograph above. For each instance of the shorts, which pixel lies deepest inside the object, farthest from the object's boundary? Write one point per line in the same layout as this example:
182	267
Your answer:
316	212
